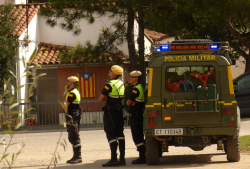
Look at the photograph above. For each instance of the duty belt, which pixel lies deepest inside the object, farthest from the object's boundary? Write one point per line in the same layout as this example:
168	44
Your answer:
114	106
119	96
75	102
74	113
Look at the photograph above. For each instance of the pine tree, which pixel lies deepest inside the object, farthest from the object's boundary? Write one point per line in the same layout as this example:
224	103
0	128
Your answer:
218	20
8	41
125	12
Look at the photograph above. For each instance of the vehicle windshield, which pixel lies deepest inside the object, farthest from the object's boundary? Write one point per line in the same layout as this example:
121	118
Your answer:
188	78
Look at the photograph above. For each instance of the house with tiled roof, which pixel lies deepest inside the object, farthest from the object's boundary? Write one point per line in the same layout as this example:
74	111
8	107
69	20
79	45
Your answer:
50	88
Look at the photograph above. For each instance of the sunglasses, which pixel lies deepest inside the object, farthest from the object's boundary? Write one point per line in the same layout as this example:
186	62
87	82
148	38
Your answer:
132	77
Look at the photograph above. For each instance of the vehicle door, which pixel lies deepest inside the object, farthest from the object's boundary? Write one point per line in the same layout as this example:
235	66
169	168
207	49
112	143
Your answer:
179	102
242	94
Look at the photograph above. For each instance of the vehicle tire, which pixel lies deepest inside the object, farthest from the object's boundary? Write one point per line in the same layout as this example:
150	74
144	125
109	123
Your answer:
225	146
152	151
233	148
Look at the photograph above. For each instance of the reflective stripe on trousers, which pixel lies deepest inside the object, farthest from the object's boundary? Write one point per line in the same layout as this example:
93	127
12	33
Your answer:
140	144
78	145
111	141
120	138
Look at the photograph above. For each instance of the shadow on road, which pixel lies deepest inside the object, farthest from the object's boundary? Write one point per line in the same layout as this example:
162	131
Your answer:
245	119
166	162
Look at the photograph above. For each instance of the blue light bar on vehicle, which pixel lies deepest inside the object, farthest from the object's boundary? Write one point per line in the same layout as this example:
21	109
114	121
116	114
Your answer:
214	46
164	48
158	50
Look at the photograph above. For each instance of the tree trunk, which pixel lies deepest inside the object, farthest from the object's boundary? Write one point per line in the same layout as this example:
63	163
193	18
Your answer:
141	47
247	68
243	54
236	34
130	39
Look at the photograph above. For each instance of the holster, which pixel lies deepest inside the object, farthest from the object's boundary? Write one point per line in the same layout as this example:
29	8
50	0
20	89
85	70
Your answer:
79	118
71	117
136	115
104	108
115	111
74	115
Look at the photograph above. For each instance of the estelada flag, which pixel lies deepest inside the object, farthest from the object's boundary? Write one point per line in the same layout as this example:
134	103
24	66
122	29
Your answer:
86	84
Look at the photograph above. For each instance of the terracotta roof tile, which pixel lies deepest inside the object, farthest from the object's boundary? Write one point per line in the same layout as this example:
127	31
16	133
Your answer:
45	56
49	55
155	36
19	12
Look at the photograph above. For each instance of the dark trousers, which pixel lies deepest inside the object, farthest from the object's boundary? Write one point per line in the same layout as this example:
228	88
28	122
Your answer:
113	127
136	120
73	135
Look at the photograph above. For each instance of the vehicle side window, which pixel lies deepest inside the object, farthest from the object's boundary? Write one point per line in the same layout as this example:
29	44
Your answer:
244	83
188	78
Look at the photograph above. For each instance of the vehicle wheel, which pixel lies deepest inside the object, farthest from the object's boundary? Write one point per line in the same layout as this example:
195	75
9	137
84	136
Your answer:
225	146
152	151
233	148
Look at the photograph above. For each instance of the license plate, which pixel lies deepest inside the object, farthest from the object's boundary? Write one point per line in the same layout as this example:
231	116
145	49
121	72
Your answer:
173	131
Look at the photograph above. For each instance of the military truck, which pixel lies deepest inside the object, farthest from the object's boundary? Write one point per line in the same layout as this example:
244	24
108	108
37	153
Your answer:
191	99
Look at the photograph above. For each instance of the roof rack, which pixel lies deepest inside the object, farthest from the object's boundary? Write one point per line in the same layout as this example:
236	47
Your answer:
216	47
191	46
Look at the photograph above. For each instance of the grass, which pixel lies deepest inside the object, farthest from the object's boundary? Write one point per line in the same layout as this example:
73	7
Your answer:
245	144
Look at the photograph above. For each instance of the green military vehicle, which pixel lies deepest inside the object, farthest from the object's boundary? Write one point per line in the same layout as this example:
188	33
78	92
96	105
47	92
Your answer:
191	99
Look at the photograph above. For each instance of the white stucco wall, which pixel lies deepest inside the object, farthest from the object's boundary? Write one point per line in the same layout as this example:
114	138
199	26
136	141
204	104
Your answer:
89	32
26	53
20	1
15	1
147	43
239	68
147	46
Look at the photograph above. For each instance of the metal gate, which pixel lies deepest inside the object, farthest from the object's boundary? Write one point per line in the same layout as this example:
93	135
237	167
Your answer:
50	115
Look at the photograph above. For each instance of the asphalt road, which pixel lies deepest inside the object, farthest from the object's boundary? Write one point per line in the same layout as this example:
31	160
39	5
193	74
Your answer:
95	151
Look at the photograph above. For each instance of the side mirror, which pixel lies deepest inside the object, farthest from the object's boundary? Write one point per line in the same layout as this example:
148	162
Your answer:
236	86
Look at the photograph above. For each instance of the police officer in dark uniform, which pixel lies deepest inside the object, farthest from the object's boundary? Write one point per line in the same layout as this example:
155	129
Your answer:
113	93
73	118
186	84
136	109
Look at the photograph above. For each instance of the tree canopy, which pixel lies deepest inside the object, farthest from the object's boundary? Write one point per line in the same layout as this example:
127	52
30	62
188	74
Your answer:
218	20
8	42
125	12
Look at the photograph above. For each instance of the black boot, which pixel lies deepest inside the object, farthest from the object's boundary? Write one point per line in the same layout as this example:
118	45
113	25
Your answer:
75	159
140	160
142	157
122	161
77	156
113	161
68	161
